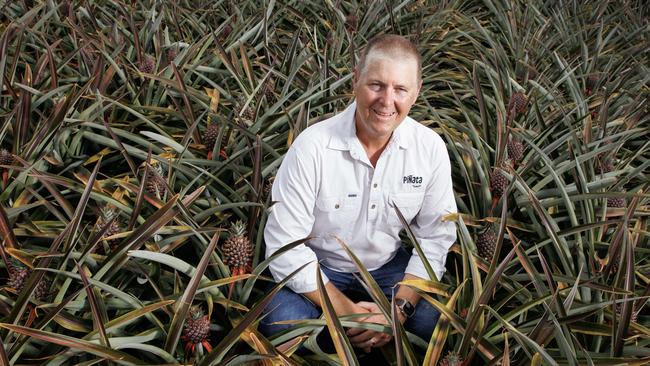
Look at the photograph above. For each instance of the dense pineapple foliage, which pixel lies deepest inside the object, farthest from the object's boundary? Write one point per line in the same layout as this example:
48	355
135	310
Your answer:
543	106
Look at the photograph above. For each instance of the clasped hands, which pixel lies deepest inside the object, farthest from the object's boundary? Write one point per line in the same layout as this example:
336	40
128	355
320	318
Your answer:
368	338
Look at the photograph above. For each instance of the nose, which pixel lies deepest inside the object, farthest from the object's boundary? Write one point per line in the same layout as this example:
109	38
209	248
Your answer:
387	96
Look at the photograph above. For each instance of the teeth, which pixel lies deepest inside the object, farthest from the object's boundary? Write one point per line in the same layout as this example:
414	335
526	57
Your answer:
384	114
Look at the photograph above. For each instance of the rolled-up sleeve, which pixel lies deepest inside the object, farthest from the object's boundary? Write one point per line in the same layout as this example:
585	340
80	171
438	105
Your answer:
435	235
291	217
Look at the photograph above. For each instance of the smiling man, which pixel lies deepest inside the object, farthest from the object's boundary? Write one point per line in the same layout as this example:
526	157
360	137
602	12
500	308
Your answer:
342	179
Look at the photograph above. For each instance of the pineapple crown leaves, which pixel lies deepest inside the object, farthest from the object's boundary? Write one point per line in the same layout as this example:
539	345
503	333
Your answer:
452	359
108	213
196	312
238	228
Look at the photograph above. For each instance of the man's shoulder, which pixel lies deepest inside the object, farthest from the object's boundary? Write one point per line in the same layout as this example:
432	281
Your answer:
422	135
319	134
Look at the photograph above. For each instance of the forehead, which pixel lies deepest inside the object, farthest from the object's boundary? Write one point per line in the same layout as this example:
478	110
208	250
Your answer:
391	65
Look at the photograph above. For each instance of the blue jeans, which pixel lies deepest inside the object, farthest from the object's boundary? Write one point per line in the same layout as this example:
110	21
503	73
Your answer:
288	305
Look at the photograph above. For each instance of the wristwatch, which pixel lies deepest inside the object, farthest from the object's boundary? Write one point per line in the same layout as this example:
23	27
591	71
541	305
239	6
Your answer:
405	307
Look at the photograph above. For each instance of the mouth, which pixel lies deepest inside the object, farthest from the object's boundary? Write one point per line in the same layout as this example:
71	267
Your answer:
384	114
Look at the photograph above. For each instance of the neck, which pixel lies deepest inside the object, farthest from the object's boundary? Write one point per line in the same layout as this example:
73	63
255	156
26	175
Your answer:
373	146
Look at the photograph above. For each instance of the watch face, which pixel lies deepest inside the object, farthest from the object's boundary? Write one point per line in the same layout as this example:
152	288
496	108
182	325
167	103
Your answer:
407	308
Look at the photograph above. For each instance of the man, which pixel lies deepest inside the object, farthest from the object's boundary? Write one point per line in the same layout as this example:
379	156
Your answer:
341	178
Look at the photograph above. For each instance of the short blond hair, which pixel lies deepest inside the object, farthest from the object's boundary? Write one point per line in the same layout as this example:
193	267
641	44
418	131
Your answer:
392	45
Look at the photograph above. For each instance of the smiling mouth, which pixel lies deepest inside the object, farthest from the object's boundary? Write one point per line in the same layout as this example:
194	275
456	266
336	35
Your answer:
384	114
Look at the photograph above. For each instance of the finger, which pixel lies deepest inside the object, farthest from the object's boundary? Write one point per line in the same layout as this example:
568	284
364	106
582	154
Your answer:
365	304
362	337
354	332
384	341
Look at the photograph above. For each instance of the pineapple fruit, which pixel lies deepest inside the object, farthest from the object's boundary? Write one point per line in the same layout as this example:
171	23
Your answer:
451	359
155	184
147	64
616	202
238	250
498	183
108	216
590	84
196	330
18	276
6	158
486	242
247	114
519	103
210	139
172	52
515	150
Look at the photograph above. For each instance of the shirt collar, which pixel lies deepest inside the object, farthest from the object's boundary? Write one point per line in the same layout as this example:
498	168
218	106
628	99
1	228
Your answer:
346	137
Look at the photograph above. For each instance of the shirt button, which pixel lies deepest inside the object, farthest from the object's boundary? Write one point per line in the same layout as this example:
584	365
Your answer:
373	206
374	185
337	205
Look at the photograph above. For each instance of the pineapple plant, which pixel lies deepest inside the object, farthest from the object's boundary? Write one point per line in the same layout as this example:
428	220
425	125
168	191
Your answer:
486	242
451	359
238	250
196	330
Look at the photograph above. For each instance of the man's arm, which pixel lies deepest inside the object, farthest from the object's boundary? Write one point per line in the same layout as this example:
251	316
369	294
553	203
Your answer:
342	304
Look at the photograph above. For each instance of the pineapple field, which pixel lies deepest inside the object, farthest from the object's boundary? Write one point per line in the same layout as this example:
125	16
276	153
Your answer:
139	141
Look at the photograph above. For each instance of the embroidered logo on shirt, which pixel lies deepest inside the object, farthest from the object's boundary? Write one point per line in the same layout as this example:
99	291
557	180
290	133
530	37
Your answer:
412	179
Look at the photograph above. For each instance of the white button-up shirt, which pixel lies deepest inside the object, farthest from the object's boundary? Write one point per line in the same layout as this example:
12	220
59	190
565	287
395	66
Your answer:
326	187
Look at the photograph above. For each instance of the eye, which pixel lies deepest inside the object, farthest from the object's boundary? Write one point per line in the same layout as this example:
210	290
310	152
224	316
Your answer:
375	86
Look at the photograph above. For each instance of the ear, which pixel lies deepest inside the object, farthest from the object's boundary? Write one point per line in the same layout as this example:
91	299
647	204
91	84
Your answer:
355	76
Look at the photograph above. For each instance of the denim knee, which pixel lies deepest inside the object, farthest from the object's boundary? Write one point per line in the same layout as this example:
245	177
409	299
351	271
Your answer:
423	321
286	305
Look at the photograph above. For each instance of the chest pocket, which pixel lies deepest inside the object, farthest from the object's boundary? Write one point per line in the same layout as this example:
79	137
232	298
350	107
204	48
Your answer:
409	205
337	213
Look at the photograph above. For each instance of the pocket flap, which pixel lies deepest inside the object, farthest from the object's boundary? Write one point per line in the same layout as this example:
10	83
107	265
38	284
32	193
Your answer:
403	200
